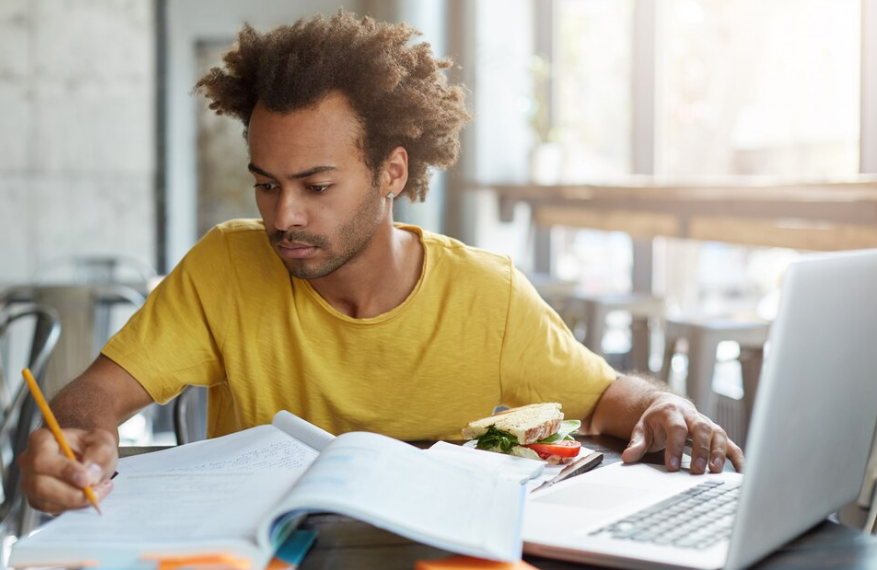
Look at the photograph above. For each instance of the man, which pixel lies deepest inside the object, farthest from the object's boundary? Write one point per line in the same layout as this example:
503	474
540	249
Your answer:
327	308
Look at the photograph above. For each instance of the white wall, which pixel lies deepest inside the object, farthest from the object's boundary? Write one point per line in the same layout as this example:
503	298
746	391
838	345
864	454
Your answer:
77	162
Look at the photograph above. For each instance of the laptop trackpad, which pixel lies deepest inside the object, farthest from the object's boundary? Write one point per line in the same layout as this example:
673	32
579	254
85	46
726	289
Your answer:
595	496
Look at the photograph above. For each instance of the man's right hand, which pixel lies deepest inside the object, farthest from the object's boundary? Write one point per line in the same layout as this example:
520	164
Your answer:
53	483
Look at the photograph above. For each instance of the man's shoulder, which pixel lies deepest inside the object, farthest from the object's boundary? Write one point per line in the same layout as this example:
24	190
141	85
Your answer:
452	255
235	242
246	233
242	228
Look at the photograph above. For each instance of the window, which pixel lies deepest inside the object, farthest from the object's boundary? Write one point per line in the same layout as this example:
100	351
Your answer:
760	88
592	111
742	88
591	121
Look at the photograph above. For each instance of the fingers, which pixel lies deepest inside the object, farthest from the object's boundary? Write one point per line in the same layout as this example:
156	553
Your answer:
53	483
54	496
718	450
735	454
669	423
704	434
638	445
99	454
677	435
710	446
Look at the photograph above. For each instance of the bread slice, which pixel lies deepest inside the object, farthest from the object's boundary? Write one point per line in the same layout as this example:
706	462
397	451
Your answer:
527	423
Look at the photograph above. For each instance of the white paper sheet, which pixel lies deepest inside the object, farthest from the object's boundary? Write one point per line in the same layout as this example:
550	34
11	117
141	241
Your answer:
520	469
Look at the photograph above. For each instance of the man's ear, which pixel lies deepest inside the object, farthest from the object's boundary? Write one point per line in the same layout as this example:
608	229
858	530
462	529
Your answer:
394	172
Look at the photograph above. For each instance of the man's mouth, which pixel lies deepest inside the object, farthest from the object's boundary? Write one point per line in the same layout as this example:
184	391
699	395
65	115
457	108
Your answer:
295	250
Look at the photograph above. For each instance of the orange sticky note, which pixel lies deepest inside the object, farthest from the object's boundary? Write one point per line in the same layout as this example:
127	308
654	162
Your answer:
278	564
218	560
470	563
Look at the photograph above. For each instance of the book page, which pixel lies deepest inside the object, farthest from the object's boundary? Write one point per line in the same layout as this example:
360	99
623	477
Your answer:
398	487
160	512
209	495
254	449
305	432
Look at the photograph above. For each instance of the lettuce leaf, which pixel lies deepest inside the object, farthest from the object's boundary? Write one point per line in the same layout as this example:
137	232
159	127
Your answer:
495	438
565	431
521	451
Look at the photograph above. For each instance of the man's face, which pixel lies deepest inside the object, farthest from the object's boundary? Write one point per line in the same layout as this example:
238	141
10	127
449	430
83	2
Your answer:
316	195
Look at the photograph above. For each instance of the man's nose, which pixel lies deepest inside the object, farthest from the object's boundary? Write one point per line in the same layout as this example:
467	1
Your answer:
290	211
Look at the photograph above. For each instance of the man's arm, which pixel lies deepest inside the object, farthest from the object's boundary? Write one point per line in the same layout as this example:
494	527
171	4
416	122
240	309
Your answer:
90	409
655	419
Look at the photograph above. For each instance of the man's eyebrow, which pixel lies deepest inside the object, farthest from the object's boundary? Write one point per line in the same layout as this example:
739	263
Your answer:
297	176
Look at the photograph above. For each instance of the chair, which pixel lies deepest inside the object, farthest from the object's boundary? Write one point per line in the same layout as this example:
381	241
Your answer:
116	283
646	314
116	279
189	420
19	412
85	316
862	513
702	337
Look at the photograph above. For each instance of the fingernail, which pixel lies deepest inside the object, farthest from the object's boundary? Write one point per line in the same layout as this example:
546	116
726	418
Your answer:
103	487
674	463
700	464
717	463
95	472
80	479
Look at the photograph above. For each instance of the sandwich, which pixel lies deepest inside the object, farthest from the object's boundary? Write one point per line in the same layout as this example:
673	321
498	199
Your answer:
537	431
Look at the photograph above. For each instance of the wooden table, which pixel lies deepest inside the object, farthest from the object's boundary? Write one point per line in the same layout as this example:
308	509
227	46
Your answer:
807	215
821	216
344	543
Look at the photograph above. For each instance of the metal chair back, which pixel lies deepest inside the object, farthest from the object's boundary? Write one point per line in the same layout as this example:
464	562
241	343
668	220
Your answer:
19	412
189	415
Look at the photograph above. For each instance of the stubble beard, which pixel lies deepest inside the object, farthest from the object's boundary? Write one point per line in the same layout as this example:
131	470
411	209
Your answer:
353	237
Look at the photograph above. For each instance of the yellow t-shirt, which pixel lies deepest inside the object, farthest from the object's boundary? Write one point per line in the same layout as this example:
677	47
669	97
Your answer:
472	334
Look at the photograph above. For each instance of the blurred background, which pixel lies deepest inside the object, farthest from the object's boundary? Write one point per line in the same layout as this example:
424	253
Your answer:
104	150
685	149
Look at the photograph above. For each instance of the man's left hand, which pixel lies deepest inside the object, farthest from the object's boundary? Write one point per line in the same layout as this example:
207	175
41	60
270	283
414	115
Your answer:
668	423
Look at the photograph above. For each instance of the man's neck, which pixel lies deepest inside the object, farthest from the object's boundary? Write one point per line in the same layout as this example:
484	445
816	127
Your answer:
379	279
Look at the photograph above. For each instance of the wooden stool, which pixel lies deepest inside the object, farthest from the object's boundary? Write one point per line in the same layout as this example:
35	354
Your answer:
645	311
703	337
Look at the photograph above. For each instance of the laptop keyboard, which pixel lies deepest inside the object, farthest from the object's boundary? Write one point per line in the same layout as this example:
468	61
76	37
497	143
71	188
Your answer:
697	518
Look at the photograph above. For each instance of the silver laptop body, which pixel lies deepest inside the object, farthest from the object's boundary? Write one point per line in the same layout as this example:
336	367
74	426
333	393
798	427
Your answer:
809	438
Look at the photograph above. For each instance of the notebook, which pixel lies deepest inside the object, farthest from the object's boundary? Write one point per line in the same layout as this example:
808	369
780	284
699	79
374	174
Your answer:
817	392
232	501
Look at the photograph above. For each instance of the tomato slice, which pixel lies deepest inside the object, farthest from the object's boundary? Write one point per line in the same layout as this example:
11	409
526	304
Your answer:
563	448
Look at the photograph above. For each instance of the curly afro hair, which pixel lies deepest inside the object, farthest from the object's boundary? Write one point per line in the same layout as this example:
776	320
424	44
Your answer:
398	90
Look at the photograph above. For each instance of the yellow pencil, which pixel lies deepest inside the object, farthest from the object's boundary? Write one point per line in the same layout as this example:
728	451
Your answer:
55	428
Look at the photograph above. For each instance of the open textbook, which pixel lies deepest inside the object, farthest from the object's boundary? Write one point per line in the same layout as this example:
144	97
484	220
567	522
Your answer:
241	495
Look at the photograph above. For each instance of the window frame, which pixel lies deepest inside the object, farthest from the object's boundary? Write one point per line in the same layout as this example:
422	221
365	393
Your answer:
646	75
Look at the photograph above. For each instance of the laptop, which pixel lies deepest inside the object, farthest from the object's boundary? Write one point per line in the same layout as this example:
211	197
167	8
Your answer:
809	438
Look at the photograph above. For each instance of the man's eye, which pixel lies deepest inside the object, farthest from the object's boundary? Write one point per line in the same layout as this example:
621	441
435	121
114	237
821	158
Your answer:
265	186
319	188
